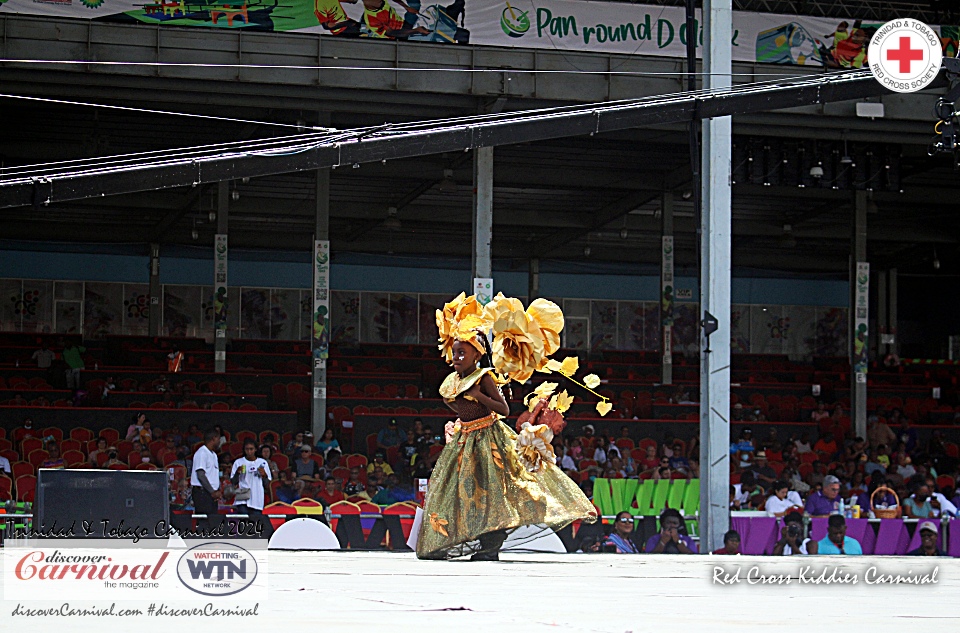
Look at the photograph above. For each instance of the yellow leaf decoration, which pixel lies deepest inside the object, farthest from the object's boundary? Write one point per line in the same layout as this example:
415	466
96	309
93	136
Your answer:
438	524
561	402
497	458
592	381
531	402
552	365
569	366
545	389
604	407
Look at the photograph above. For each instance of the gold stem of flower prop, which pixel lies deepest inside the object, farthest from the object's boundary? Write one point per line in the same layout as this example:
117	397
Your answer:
568	368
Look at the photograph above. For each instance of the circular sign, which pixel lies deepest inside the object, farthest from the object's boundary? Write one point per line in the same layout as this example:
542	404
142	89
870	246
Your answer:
905	55
217	569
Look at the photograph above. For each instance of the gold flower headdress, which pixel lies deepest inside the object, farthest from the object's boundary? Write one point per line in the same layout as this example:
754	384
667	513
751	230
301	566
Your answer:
460	320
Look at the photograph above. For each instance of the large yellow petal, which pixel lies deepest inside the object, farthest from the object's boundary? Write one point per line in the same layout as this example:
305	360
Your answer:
591	380
547	314
569	366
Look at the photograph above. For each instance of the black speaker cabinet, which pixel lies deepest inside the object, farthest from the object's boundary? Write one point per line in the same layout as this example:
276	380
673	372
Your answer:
138	498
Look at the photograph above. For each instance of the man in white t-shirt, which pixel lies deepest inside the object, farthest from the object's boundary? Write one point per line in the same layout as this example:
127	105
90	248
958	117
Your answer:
205	479
251	473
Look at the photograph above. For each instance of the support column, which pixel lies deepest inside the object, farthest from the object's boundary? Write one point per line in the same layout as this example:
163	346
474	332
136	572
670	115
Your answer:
859	316
883	327
667	288
892	316
321	304
482	222
220	257
715	285
155	291
533	280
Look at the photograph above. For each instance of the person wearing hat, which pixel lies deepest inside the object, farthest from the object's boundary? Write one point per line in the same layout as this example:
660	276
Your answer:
390	436
764	473
306	470
587	440
379	461
928	541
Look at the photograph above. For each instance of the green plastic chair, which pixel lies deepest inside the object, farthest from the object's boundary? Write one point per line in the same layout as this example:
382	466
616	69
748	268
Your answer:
691	498
661	491
677	489
644	496
602	497
623	493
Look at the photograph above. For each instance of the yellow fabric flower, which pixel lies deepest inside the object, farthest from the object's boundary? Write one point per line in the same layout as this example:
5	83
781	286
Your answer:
534	446
549	319
563	401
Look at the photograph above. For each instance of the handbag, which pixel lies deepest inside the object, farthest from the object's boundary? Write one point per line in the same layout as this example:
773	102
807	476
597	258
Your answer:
243	494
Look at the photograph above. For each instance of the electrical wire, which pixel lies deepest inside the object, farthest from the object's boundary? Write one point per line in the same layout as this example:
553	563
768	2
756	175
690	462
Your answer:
284	146
148	111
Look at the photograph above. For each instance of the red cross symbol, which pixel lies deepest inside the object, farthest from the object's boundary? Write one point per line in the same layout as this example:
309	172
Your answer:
905	55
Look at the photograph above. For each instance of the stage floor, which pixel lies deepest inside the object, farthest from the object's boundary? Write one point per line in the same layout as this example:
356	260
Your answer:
354	591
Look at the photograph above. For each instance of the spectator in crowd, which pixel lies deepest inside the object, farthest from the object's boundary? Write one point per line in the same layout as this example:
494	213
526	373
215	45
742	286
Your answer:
5	466
600	452
393	492
390	436
587	440
803	444
289	489
663	472
133	431
409	448
184	497
146	433
856	451
369	491
761	470
378	461
223	436
174	434
670	540
330	493
650	461
792	541
422	463
747	494
731	544
307	470
101	449
818	474
824	502
112	458
928	541
836	541
905	466
873	465
72	356
622	536
566	460
331	462
819	414
354	485
266	453
270	441
616	467
292	449
45	357
780	502
193	436
205	479
53	460
251	473
906	433
920	505
879	433
327	442
742	449
377	476
826	447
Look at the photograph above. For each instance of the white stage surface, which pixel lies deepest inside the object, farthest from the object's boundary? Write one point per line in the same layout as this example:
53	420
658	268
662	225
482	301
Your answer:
386	591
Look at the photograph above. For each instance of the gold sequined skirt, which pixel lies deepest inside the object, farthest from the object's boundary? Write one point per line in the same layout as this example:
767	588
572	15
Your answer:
480	486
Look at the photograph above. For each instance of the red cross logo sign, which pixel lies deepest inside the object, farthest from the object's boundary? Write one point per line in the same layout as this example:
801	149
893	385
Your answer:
905	55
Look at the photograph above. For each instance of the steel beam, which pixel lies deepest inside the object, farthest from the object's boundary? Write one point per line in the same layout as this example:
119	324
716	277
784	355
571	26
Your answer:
73	180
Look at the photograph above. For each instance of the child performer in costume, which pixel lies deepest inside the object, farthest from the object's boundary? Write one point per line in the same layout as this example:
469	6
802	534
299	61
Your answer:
486	483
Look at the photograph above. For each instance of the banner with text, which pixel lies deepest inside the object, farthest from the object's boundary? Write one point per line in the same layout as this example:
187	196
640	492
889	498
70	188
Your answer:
602	27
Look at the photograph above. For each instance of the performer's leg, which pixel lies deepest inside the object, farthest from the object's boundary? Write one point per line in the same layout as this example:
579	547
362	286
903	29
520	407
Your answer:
490	544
